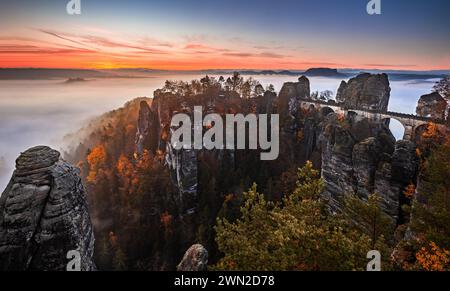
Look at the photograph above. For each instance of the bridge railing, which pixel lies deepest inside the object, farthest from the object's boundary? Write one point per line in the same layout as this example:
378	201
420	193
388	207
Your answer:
391	113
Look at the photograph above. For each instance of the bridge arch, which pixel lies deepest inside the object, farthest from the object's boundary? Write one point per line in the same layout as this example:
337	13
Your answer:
419	131
324	111
396	127
351	114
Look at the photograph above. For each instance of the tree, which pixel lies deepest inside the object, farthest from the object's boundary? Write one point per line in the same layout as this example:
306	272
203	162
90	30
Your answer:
326	95
431	207
443	87
433	258
259	90
120	260
367	217
428	244
96	160
297	234
270	88
236	81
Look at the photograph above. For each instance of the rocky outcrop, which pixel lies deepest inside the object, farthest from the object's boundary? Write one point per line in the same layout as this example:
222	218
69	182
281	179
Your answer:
195	259
365	92
147	129
365	157
291	94
362	157
432	105
183	166
395	174
44	215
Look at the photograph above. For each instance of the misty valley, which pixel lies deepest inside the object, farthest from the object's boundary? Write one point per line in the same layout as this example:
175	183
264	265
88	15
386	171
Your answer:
176	181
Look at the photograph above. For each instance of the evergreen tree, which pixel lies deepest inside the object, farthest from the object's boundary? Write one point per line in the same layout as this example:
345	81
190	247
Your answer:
297	234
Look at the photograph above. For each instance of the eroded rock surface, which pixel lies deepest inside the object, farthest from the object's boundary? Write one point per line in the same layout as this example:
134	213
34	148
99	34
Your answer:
291	93
432	105
44	215
365	92
195	259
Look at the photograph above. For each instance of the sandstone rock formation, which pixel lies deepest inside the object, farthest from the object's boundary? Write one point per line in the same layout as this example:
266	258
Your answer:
432	105
195	259
394	175
290	95
362	157
44	215
366	92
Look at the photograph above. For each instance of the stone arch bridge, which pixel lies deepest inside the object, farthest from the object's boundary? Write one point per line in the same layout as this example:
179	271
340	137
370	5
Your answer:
410	122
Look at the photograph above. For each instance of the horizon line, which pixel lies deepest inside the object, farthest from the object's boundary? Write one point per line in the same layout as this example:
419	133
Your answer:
223	69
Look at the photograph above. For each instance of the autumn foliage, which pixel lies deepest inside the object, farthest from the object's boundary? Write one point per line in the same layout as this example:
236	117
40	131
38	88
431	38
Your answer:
433	258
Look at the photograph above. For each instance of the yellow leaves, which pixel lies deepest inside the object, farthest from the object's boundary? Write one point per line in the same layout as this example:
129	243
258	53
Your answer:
433	258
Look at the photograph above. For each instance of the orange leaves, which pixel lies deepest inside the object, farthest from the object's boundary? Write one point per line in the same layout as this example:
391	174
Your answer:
433	258
299	135
418	153
124	166
228	198
409	191
431	131
125	171
166	219
97	155
96	159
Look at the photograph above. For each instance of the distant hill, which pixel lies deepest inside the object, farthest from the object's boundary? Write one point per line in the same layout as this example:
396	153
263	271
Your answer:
78	74
75	80
57	74
324	72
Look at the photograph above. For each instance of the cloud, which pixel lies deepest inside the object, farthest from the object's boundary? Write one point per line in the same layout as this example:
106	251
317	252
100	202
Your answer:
60	36
203	49
195	46
105	42
271	55
246	55
31	49
389	66
239	55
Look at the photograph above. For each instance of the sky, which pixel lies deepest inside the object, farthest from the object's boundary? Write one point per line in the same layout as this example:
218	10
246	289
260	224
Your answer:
231	34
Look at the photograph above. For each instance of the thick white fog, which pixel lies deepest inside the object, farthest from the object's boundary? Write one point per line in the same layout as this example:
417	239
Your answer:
42	112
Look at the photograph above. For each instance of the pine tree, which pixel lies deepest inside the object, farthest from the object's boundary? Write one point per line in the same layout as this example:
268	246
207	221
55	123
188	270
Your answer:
297	234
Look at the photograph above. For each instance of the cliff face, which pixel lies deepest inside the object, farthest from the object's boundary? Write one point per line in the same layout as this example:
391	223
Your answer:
361	156
356	155
154	133
44	215
195	259
290	95
432	105
366	91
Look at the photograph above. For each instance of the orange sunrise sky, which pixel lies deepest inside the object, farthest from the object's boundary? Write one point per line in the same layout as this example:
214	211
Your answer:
195	35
